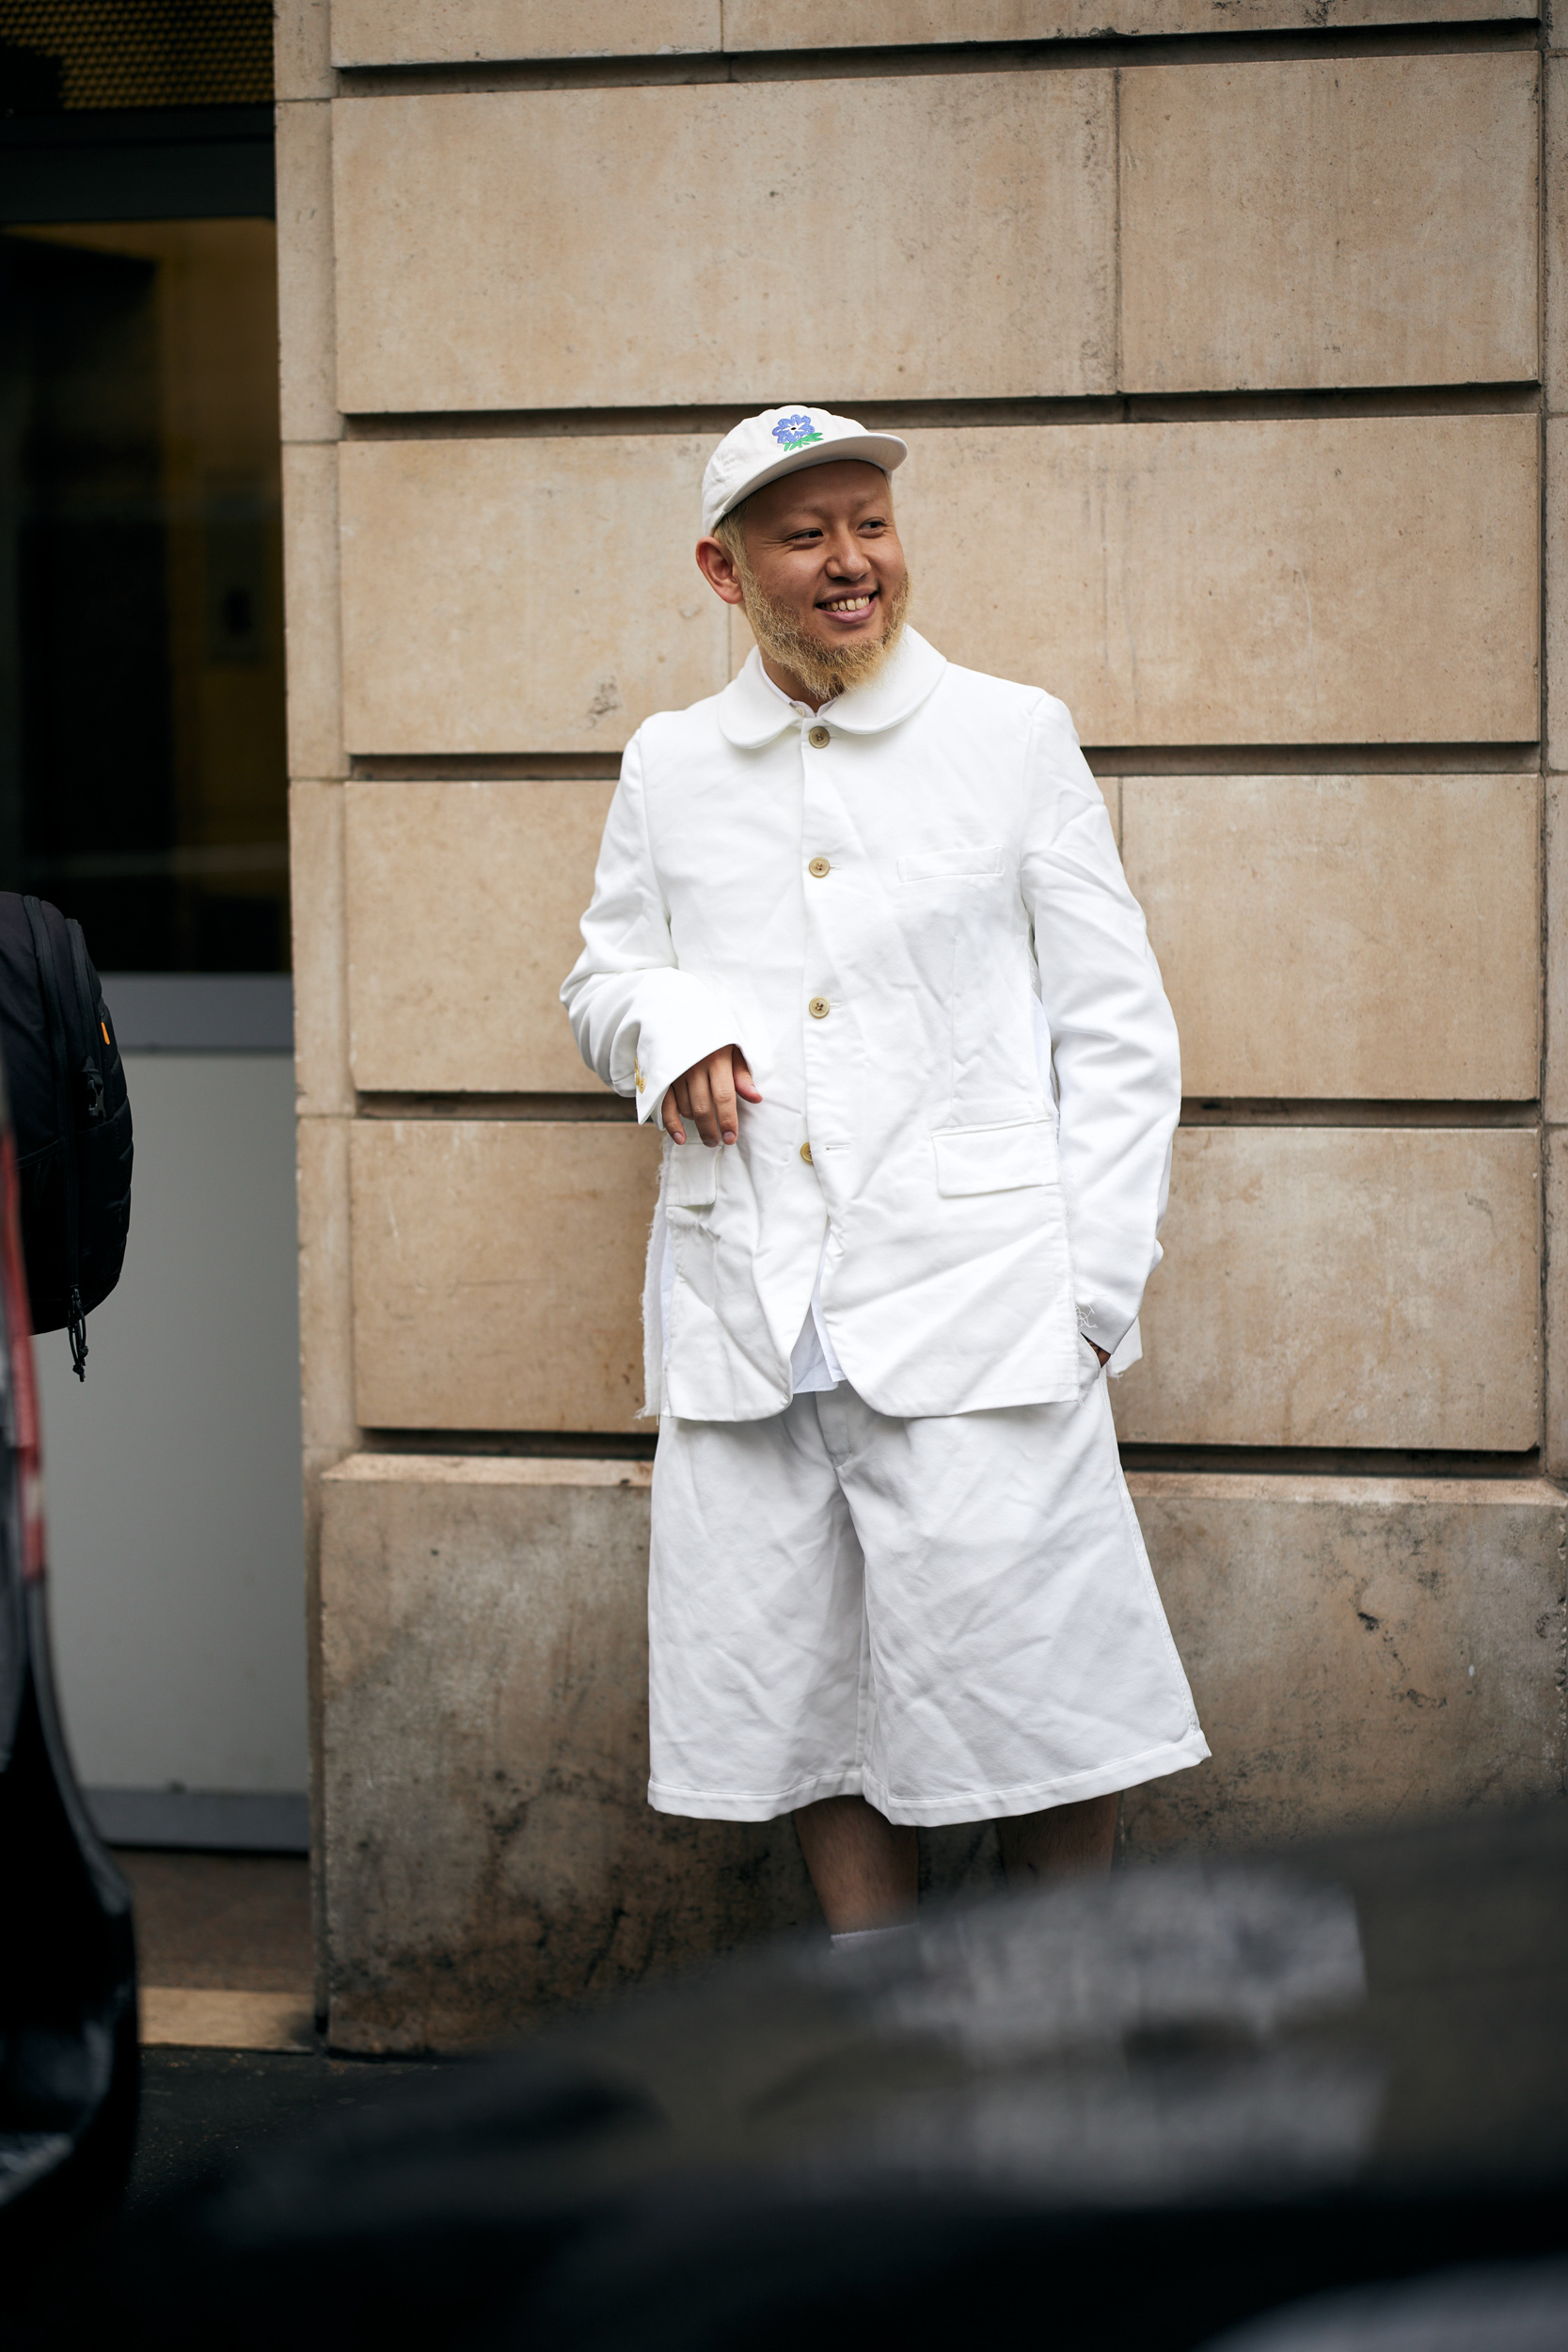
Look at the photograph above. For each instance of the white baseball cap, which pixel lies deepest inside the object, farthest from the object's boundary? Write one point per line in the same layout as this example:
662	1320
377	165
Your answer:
779	441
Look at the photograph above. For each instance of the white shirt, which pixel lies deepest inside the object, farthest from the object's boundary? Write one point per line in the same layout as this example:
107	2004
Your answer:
880	904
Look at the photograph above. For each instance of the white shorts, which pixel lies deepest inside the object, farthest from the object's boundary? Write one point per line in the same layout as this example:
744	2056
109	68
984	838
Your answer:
952	1617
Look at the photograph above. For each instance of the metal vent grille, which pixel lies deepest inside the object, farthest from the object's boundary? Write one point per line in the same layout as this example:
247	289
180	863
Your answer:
58	56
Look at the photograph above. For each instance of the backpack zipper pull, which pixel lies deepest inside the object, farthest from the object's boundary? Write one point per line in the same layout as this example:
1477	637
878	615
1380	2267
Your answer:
77	1327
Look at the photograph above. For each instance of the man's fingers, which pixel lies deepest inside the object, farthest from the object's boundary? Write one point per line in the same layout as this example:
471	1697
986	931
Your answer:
706	1096
722	1084
702	1102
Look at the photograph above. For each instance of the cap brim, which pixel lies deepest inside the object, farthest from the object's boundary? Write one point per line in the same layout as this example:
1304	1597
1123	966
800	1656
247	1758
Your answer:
872	449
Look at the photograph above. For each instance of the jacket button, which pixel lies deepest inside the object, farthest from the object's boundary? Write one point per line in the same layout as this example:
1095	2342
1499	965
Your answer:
819	738
820	866
805	1153
818	1009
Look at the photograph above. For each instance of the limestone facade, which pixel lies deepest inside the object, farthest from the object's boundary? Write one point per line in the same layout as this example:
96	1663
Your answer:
1236	382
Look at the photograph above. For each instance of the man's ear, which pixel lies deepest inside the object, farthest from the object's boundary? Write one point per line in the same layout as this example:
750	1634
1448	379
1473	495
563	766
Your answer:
718	571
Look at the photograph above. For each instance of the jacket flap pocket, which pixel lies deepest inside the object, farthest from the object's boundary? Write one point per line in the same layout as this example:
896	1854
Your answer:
976	860
693	1181
996	1159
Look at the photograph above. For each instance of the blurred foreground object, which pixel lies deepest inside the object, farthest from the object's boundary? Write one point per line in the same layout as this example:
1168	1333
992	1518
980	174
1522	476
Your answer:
71	1118
1132	2112
68	1986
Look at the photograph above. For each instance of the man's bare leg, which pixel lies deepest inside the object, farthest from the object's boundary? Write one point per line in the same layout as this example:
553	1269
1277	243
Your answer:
1037	1846
865	1870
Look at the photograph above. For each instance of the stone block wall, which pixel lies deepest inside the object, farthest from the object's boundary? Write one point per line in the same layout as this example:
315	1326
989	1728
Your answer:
1230	341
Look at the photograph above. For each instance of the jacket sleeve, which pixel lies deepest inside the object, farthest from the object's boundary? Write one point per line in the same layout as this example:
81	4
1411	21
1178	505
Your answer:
1113	1036
638	1019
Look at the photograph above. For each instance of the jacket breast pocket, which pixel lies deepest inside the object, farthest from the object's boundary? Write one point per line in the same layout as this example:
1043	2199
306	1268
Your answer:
965	861
997	1158
691	1181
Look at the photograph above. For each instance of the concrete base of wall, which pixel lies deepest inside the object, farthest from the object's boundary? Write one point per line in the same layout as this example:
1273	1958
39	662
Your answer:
488	1856
1362	1650
488	1851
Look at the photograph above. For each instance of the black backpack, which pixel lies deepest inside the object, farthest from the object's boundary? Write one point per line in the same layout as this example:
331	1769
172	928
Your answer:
71	1117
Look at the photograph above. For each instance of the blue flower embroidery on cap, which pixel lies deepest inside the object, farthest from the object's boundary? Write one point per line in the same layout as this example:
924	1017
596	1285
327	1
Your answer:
796	432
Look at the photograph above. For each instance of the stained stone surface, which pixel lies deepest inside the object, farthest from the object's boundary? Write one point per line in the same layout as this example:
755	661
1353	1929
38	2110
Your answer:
498	1272
463	32
1325	221
464	902
489	1855
1343	936
1362	1650
485	259
1343	1285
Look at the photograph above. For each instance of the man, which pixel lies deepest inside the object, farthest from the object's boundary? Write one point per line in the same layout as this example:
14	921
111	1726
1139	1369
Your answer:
860	938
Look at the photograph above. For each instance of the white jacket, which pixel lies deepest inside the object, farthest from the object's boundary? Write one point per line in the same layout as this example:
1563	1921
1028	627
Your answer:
879	906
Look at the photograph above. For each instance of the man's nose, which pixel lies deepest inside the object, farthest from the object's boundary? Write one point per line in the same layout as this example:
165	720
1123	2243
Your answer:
844	553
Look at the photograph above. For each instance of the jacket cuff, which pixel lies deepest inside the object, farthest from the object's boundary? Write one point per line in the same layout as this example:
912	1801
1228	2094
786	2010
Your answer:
1105	1323
1093	1326
680	1019
1110	1281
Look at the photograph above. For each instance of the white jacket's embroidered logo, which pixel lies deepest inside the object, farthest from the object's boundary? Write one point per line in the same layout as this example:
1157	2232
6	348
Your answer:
796	432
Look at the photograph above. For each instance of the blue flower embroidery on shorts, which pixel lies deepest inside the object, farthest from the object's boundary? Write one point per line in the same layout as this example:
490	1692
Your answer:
796	432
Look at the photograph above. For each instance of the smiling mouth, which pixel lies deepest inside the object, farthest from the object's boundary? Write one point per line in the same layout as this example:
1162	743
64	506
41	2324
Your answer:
851	607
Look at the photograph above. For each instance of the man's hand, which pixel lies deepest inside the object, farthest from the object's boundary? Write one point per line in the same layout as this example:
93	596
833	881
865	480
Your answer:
706	1094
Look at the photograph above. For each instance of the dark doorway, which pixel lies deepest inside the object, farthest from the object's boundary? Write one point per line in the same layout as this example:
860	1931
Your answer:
145	787
142	754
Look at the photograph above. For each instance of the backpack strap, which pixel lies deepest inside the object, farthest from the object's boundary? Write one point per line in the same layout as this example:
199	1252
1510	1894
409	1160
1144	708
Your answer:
59	1055
87	1005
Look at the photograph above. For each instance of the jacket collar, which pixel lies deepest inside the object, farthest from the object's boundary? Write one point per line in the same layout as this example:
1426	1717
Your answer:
751	713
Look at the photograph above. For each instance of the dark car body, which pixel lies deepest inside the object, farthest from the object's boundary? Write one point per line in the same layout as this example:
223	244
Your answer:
67	1979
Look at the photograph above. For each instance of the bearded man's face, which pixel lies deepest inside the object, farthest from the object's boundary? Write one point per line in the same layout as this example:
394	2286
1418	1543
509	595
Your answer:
822	574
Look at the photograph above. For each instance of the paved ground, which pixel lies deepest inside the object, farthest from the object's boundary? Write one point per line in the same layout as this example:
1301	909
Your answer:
238	1924
238	1921
219	1937
201	2109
